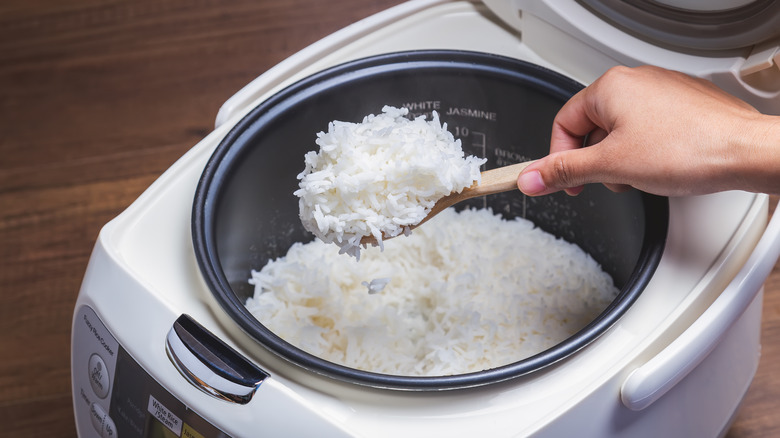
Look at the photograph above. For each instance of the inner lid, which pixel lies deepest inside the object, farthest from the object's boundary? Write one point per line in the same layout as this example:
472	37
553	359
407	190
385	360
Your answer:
687	24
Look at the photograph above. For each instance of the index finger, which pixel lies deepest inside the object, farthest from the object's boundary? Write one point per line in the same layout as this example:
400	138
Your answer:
573	122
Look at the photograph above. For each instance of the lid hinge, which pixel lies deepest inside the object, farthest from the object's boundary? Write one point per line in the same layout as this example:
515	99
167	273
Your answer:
763	57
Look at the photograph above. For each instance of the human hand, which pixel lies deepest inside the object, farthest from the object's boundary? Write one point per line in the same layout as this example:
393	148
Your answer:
659	131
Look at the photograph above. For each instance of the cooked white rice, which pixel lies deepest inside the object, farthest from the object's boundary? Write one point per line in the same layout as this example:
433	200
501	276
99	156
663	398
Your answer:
467	292
378	177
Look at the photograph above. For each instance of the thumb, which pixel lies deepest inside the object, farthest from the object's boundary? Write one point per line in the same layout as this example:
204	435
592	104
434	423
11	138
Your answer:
565	170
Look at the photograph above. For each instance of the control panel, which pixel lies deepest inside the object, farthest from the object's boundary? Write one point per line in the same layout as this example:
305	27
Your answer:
114	397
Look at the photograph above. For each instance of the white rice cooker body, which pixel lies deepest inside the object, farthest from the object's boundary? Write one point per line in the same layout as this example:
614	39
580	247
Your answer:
143	265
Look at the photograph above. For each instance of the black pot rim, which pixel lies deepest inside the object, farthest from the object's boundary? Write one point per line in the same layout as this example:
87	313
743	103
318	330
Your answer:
219	165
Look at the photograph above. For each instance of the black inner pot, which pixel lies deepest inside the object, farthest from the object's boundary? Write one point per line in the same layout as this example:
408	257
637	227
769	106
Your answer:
245	212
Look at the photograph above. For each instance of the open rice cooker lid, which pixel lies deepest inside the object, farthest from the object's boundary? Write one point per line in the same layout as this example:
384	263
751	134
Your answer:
244	212
693	24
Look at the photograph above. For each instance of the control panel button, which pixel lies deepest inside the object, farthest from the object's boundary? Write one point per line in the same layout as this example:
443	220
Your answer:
98	376
102	423
109	429
97	414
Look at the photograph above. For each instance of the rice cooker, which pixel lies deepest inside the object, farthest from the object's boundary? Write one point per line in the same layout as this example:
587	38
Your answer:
162	344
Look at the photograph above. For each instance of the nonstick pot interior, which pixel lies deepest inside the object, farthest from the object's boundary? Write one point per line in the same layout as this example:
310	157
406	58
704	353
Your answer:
245	212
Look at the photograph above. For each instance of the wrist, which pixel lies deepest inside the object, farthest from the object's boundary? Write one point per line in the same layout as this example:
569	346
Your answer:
756	144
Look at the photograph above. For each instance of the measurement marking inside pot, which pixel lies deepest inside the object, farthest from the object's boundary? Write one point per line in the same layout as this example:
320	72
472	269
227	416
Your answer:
481	144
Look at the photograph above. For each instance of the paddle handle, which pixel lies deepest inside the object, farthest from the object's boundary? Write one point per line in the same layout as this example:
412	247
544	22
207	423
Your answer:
500	179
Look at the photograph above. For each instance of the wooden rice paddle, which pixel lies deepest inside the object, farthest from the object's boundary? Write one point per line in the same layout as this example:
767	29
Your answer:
500	179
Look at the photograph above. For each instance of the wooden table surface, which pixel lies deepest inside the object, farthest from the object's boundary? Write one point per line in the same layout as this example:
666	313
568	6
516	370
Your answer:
97	99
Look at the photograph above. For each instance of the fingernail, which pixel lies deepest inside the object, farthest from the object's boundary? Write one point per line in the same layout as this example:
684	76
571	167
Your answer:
531	183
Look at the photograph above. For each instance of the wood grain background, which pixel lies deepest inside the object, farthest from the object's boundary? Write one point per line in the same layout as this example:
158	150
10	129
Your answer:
97	99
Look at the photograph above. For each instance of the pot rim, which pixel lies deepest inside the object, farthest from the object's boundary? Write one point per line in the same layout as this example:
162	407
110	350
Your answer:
656	215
